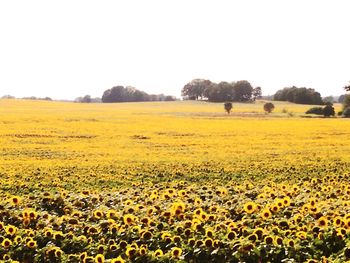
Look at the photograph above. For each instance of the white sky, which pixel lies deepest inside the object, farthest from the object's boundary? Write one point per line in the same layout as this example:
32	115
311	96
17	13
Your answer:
68	48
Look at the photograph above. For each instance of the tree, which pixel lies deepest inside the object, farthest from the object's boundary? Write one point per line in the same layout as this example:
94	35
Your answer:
131	94
328	110
346	102
347	87
195	89
346	113
228	107
243	91
328	99
299	95
315	110
257	93
341	98
86	99
269	107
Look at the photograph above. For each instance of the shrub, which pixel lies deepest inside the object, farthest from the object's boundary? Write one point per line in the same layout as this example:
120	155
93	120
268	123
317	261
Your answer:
228	107
269	107
315	110
346	113
346	102
328	110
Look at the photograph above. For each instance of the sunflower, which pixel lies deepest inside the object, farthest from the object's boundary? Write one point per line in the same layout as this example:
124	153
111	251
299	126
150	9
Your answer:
143	250
279	202
253	237
99	258
26	222
278	241
290	242
197	201
191	242
158	253
177	239
231	235
58	252
208	242
182	193
123	244
98	214
6	257
341	231
130	252
17	239
286	201
113	247
112	214
176	252
301	234
322	222
266	214
31	244
146	235
259	232
33	214
128	219
6	243
275	208
268	240
48	233
338	221
250	207
10	230
15	200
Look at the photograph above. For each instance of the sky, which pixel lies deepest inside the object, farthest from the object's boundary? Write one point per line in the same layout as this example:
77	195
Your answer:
69	48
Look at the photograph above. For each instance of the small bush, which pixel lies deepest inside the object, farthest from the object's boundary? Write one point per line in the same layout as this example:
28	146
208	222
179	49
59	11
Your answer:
228	107
340	113
315	110
346	113
328	110
269	107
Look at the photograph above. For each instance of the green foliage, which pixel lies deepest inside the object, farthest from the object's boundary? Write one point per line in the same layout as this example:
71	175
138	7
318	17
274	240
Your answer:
130	94
346	113
315	110
328	99
196	89
257	93
328	110
299	95
269	107
240	91
346	102
228	107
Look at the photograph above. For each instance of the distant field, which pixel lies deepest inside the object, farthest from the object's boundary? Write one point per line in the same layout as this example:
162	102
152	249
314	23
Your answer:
84	169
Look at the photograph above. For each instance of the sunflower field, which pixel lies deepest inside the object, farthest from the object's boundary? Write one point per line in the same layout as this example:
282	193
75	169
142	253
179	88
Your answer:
172	182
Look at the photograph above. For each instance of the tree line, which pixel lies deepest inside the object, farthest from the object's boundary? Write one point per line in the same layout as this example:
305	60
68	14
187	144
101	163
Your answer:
299	96
131	94
203	89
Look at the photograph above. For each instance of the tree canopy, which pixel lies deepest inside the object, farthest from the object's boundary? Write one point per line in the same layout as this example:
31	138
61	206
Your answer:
299	95
131	94
347	87
240	91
